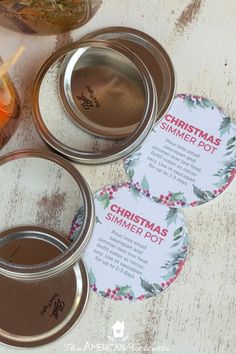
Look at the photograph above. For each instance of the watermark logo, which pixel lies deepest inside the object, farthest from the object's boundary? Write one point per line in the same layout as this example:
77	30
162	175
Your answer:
118	329
118	332
117	343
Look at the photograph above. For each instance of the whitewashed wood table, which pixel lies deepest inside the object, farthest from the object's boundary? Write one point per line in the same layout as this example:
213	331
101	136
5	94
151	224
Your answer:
197	314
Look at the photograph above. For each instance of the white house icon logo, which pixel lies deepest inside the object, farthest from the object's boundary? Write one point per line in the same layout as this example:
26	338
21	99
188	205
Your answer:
118	329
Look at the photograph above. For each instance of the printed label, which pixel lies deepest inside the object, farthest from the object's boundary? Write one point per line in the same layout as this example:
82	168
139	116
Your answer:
86	102
138	247
190	156
54	306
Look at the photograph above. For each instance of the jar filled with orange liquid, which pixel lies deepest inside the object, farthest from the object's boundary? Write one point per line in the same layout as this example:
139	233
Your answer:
9	108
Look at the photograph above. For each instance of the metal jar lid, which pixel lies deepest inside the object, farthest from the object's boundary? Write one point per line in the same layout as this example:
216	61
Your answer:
102	92
114	149
151	53
37	312
67	258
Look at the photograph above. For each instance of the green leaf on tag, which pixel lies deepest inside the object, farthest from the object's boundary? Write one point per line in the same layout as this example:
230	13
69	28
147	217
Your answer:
98	220
92	279
124	290
131	173
231	141
178	231
177	237
156	199
171	216
169	275
147	287
210	194
134	191
230	147
177	196
199	193
145	184
225	126
103	293
207	103
158	287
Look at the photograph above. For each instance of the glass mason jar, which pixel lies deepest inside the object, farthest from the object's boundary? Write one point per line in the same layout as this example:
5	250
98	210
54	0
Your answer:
9	109
46	17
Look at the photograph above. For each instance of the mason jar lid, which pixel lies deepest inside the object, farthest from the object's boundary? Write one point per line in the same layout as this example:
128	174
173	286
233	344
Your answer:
35	177
62	122
38	312
102	91
151	52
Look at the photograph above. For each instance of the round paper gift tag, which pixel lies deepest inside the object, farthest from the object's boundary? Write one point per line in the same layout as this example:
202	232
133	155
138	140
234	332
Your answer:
190	156
138	247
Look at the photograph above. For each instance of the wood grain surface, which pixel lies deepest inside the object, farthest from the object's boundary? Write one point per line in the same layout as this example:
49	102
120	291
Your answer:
197	314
